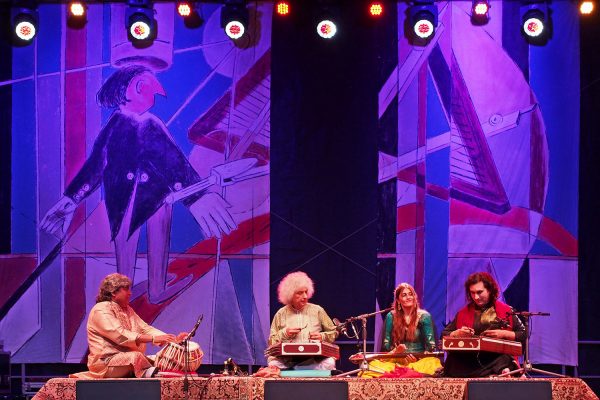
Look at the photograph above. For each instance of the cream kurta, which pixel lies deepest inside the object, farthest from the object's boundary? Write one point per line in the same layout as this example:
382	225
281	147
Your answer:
111	330
312	318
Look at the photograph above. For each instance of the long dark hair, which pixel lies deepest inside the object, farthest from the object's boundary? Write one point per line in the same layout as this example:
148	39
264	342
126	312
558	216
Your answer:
488	282
401	331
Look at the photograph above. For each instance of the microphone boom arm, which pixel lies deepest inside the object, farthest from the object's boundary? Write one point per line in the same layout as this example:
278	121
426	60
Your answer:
194	329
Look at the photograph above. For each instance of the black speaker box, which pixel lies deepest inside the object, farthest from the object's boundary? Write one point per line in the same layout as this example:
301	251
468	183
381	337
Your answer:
4	372
305	390
503	390
122	389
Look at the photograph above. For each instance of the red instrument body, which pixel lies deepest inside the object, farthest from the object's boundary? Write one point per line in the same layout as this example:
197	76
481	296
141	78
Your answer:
477	343
308	349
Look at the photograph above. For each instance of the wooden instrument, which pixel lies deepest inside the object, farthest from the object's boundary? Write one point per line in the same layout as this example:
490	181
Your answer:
358	357
308	349
480	343
172	357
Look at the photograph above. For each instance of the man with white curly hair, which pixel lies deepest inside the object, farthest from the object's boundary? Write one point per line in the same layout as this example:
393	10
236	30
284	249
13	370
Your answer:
300	321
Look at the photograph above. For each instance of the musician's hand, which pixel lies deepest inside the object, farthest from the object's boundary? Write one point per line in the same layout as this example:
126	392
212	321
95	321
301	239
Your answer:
410	358
464	331
163	339
292	332
401	348
210	211
315	336
181	336
499	334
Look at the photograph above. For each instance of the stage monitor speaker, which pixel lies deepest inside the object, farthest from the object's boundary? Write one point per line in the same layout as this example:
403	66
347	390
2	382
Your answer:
122	389
305	390
503	390
4	372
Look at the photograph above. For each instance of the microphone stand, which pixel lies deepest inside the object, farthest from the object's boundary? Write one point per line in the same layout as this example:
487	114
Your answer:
186	356
364	364
527	365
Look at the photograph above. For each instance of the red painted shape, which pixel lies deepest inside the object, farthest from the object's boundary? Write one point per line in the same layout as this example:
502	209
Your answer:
438	191
250	233
408	174
14	271
419	283
462	213
250	86
558	237
537	161
215	140
406	217
75	112
75	48
74	303
517	218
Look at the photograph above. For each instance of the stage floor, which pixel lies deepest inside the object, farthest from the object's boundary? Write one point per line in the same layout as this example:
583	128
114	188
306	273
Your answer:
223	387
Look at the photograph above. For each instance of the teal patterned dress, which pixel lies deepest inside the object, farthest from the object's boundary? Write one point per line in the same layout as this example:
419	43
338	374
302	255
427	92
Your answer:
424	337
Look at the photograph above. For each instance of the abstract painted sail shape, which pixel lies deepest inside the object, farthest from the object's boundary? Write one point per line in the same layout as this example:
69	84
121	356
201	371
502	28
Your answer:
474	177
248	124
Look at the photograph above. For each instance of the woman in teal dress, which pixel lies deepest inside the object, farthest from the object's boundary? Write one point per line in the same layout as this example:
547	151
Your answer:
407	324
408	329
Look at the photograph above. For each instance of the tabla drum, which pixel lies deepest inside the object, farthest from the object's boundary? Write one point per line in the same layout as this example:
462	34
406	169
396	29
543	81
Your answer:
172	357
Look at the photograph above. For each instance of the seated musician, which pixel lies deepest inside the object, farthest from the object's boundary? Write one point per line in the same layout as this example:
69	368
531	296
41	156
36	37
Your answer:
117	336
300	321
484	316
408	329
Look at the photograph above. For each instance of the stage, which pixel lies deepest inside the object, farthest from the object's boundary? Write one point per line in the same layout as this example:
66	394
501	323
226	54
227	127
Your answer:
222	387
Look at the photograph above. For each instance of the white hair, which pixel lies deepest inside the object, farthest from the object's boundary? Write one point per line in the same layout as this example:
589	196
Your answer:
290	285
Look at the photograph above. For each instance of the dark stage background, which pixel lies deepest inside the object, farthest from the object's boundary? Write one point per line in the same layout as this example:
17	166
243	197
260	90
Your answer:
589	192
324	171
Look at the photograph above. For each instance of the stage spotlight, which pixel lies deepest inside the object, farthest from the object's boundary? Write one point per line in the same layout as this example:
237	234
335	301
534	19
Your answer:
140	22
24	22
326	29
586	7
189	12
535	23
326	19
423	19
184	9
76	14
234	18
282	8
77	9
480	12
376	9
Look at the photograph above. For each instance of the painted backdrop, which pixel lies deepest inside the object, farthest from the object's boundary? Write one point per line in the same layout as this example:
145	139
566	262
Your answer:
153	162
478	155
478	167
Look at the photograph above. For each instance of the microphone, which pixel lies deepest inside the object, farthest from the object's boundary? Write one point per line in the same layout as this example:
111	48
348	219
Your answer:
194	329
340	327
529	313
